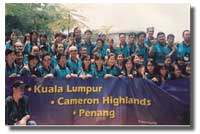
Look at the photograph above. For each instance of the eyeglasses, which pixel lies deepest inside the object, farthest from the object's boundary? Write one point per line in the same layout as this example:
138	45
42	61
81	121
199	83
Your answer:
73	50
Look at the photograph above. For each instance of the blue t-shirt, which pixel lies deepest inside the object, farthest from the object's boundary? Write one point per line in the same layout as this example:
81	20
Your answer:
183	50
123	49
27	49
132	48
89	47
114	70
47	48
27	72
147	42
105	46
101	52
160	51
86	72
74	67
142	52
12	70
8	44
99	73
43	71
61	72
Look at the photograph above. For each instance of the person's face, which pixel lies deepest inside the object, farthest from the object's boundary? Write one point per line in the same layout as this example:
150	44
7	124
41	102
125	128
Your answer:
136	59
60	48
170	40
111	61
110	43
19	47
99	62
78	33
132	38
71	38
87	61
150	67
188	69
141	38
120	58
180	62
19	57
186	36
35	50
150	34
46	61
13	37
59	39
43	40
153	41
11	57
122	38
83	51
163	71
161	38
73	52
28	36
62	60
33	62
103	37
177	71
129	65
34	37
88	36
99	44
18	91
168	61
141	70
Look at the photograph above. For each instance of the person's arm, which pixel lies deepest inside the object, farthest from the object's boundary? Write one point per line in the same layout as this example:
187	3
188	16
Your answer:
108	76
13	75
23	121
48	76
151	50
8	118
26	112
24	71
172	51
68	74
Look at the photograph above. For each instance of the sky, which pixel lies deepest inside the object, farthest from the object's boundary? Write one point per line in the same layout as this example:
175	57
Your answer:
169	18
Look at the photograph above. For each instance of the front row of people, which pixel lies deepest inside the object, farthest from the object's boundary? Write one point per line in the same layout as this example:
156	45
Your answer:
97	66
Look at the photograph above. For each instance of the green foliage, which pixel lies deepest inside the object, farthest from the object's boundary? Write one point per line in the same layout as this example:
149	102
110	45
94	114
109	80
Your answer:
48	18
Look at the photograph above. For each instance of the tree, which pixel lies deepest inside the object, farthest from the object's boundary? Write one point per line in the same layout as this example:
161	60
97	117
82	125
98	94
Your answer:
68	18
44	18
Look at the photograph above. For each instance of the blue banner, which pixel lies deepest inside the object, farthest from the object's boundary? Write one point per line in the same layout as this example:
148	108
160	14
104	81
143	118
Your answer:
113	101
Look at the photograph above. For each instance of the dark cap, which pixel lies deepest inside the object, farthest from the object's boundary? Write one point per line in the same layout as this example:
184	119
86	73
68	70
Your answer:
19	83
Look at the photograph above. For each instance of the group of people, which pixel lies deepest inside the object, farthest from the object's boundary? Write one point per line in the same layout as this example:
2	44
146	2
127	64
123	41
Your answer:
142	55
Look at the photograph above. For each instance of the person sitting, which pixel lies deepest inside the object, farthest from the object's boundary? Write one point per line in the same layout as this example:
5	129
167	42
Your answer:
17	106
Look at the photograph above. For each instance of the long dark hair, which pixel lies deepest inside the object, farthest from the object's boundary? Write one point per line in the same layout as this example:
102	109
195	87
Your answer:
25	38
153	64
31	34
83	65
98	57
124	65
13	31
160	67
